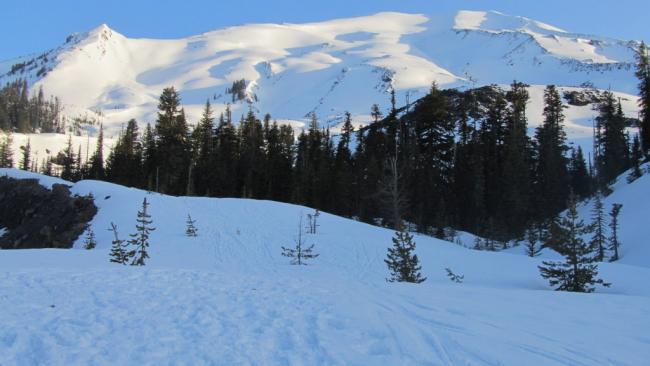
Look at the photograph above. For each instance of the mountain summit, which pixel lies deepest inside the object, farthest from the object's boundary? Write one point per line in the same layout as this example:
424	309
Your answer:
292	70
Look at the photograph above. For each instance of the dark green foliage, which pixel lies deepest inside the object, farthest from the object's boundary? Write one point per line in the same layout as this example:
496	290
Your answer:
453	277
300	253
612	149
22	113
90	242
614	243
402	262
118	248
598	240
124	163
578	272
96	170
190	229
532	247
26	159
580	180
643	74
139	241
6	151
636	157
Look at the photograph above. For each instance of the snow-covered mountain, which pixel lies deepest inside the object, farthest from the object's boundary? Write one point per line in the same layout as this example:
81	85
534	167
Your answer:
229	297
327	67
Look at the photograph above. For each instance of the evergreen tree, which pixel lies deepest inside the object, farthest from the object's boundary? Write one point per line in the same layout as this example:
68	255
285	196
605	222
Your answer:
118	253
344	170
532	249
299	254
636	157
643	74
90	242
453	277
172	145
551	175
614	243
598	240
580	179
613	150
578	272
97	160
227	157
140	239
403	264
25	161
68	162
6	151
204	153
150	160
190	229
124	163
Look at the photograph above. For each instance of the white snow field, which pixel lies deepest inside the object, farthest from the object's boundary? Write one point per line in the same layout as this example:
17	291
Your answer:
228	297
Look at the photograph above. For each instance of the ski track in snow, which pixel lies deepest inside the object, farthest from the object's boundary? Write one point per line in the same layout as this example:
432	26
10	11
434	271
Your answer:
228	297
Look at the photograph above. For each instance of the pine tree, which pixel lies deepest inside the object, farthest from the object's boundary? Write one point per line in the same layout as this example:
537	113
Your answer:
68	162
190	229
614	243
580	179
97	160
643	74
532	249
6	152
118	253
613	149
90	242
551	173
636	157
578	272
25	161
204	138
140	239
403	264
598	240
299	254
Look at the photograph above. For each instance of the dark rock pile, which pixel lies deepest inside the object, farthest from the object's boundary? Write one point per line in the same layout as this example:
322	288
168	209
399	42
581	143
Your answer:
36	217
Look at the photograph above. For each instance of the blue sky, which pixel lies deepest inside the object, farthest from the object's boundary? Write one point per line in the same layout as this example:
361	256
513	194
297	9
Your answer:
36	25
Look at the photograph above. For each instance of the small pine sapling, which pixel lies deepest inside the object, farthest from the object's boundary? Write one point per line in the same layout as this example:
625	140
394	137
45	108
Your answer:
140	240
299	254
454	277
118	252
614	244
403	264
90	242
190	229
532	249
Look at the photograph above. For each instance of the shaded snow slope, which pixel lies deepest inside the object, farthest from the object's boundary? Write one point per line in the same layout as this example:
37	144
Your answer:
229	297
327	67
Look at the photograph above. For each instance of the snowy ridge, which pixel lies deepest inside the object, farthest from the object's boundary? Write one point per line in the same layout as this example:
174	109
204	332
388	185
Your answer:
327	68
228	296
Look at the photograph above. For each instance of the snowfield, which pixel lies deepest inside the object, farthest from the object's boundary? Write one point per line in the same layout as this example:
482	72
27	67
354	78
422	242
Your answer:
228	297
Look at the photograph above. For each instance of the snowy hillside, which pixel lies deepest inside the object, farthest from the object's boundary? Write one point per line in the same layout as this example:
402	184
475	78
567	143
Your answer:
229	297
327	68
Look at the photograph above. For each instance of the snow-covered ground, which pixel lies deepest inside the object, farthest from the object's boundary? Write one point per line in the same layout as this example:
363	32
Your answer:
228	297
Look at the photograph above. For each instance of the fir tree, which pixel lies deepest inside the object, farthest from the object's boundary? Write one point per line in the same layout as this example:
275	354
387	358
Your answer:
614	243
190	229
403	264
598	240
532	249
67	162
90	242
118	253
6	152
578	272
636	157
643	74
25	161
140	239
96	170
299	254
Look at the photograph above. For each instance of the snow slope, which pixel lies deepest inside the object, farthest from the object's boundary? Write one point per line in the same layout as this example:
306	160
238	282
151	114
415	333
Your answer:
228	297
327	67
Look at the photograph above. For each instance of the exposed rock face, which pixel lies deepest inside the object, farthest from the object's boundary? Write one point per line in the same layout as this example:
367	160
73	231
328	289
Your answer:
36	217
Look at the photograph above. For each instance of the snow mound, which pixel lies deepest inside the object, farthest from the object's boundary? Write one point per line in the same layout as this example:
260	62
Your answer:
228	296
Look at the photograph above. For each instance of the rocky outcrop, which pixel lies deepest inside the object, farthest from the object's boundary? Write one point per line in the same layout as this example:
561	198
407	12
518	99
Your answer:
36	217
